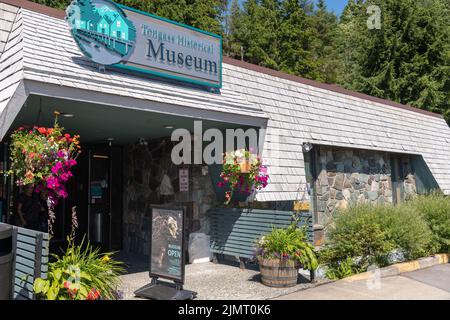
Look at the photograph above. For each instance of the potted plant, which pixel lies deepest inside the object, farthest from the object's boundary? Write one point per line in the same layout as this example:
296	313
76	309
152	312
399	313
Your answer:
280	255
81	273
242	173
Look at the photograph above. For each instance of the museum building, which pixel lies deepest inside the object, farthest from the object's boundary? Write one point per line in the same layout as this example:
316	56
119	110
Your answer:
342	147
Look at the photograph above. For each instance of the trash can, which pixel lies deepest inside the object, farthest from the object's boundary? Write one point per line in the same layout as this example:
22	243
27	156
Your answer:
6	259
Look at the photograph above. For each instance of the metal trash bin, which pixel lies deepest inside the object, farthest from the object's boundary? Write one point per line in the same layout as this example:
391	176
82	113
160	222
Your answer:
6	260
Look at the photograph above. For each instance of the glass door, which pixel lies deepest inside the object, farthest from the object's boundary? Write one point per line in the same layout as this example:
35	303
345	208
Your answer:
99	196
105	197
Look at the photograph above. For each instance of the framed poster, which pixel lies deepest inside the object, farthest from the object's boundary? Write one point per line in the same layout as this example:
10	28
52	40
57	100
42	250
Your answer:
167	254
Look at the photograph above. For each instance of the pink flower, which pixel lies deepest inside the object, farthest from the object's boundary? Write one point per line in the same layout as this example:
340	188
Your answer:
71	162
57	167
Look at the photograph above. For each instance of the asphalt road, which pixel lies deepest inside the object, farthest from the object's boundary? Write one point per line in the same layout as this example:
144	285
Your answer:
427	284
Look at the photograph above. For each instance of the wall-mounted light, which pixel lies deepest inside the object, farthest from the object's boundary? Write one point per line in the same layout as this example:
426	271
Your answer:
168	126
142	142
307	146
110	141
67	115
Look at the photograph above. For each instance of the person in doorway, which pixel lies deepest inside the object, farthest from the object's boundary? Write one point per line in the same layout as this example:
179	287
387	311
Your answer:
28	208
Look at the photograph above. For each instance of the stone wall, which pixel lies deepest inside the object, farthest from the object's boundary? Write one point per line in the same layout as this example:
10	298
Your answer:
145	164
349	176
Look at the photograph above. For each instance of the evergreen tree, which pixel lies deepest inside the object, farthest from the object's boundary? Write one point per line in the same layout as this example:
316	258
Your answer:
203	14
234	25
407	60
297	40
324	43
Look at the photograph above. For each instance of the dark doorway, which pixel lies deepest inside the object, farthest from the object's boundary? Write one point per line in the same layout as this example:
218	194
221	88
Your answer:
95	191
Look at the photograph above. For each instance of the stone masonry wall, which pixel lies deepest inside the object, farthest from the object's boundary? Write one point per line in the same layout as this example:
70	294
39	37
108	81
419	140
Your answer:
144	168
349	176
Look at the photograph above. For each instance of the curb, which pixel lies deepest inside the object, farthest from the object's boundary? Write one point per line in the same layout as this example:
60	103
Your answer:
403	267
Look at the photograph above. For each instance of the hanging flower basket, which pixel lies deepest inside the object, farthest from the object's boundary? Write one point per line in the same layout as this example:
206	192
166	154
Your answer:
44	157
245	166
242	174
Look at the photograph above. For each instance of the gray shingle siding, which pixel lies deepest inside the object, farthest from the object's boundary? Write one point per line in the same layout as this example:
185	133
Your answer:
302	113
11	57
297	112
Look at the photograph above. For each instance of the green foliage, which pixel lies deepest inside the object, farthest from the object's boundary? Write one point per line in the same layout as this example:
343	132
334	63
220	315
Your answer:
407	230
435	210
289	35
357	234
288	244
203	14
367	234
82	273
407	60
341	269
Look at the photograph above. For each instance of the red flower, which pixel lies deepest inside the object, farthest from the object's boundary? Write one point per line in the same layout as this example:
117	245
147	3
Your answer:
42	130
93	294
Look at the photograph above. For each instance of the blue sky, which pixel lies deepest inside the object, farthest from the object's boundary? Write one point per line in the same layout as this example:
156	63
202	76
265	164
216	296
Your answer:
336	5
333	5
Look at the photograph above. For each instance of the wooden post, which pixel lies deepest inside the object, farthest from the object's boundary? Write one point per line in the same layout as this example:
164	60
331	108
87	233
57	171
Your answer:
241	264
37	259
312	276
13	250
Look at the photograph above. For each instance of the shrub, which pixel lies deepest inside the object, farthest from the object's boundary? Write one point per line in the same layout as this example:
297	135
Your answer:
357	234
341	269
435	209
406	230
367	234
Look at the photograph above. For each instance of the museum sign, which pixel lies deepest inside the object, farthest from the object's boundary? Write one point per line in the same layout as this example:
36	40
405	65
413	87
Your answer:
115	35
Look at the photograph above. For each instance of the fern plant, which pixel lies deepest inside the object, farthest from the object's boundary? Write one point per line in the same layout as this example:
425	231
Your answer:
288	244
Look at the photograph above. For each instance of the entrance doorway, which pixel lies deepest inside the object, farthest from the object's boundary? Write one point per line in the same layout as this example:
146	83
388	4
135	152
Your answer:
96	193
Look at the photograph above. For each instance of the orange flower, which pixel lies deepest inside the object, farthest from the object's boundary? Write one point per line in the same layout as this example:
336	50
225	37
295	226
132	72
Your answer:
29	175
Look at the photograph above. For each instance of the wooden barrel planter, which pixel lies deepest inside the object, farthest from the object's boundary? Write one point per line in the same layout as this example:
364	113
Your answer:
277	273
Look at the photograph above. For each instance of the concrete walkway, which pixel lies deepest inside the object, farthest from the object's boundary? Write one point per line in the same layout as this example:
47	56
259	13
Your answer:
427	284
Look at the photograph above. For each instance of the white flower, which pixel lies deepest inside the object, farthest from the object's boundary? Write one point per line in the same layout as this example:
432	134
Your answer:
239	153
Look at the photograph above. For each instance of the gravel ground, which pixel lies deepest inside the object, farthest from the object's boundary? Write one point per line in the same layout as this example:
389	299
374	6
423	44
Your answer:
217	282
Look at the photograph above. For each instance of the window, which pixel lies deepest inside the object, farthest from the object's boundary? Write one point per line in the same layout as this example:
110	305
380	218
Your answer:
118	23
